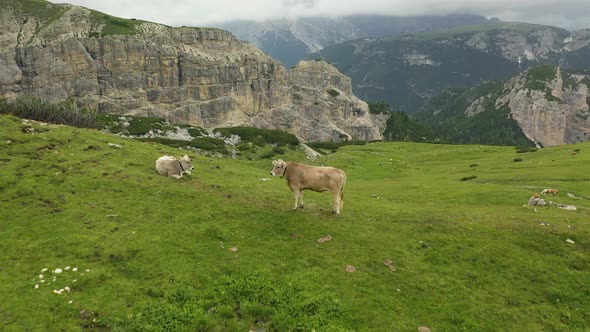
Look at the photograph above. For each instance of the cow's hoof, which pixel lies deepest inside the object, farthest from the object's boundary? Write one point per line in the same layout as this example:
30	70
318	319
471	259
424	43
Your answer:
301	206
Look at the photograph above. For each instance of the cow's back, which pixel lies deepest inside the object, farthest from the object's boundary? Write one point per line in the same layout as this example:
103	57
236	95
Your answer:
315	177
166	165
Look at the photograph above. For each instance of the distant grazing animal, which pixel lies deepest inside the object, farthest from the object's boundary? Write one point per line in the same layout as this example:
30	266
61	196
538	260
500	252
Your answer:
174	167
301	177
550	191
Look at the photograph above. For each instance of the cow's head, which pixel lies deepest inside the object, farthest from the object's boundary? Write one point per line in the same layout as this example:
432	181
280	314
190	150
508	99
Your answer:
186	163
279	168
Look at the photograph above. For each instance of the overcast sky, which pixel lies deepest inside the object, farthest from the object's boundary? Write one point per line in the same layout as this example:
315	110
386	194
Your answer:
569	14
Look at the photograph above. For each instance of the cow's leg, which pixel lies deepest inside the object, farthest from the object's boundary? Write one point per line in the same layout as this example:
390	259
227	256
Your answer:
296	194
336	202
301	199
341	199
176	176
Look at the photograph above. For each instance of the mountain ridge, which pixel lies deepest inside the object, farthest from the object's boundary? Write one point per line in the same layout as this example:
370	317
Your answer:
202	76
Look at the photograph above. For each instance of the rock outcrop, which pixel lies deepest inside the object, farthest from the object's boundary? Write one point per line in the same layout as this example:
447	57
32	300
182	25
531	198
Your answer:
550	112
201	76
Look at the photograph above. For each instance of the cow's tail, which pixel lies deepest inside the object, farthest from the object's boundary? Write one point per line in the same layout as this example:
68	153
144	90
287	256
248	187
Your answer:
342	190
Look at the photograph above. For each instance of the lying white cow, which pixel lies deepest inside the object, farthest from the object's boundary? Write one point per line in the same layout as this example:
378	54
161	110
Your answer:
301	177
174	167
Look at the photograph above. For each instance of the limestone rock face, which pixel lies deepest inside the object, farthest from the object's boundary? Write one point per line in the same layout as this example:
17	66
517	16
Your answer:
555	115
201	76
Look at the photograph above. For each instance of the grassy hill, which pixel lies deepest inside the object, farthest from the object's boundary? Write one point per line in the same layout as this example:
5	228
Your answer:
222	249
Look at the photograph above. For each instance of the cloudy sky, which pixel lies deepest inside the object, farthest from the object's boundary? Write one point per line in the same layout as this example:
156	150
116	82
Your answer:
569	14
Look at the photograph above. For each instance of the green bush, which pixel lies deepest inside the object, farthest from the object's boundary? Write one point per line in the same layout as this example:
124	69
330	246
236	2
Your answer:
65	112
260	137
196	131
333	92
278	150
267	155
209	144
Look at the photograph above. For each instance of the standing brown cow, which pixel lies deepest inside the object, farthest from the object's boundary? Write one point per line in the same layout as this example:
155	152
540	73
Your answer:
300	177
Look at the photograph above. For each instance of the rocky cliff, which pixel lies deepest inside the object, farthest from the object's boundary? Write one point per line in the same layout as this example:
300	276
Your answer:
545	105
200	76
550	105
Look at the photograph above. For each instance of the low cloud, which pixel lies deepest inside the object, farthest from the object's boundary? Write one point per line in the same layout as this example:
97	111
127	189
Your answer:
570	14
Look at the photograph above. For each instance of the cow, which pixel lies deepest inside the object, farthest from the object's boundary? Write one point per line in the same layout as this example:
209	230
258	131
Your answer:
174	167
301	177
550	191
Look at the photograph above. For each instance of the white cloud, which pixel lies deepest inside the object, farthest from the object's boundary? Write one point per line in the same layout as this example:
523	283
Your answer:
571	14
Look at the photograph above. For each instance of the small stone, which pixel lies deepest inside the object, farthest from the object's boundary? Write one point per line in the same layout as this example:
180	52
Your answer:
75	269
233	249
87	270
41	276
423	329
44	270
350	269
67	289
325	239
57	271
569	241
67	268
36	286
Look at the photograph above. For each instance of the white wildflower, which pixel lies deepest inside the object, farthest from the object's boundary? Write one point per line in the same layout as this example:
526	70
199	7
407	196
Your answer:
57	271
36	286
41	276
68	289
44	270
75	269
67	268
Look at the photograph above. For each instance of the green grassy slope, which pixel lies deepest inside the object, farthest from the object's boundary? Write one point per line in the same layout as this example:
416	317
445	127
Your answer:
468	255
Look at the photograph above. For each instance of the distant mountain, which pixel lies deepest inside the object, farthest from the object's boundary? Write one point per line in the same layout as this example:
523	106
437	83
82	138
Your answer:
407	70
292	40
544	105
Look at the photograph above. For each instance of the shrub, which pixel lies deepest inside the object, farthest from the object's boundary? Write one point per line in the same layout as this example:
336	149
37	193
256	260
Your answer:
209	144
196	132
141	126
259	136
467	178
244	147
278	150
517	160
268	154
333	92
65	112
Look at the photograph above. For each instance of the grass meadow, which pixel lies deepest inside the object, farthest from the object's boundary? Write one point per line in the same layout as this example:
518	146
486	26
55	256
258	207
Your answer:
222	250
